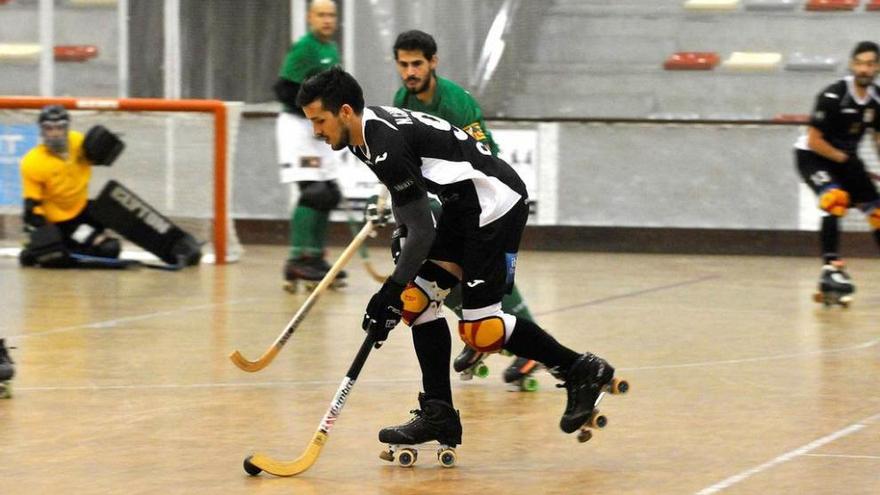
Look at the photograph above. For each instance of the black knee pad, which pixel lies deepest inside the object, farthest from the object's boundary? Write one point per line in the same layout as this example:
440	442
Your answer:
46	248
108	248
319	195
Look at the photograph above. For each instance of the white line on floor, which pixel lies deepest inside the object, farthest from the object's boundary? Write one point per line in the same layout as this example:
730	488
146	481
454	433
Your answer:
117	321
845	456
863	345
815	444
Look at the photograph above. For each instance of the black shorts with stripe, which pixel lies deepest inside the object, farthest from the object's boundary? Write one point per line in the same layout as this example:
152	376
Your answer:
487	254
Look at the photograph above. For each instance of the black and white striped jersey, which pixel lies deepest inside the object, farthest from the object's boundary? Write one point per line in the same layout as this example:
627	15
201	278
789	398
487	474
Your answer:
413	153
842	116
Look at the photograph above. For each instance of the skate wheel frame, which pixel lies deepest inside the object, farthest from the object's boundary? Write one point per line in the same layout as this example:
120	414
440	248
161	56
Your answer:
407	456
832	298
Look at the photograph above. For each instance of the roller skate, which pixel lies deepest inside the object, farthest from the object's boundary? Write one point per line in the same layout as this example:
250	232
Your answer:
519	376
586	383
835	286
321	264
469	363
436	421
6	372
303	270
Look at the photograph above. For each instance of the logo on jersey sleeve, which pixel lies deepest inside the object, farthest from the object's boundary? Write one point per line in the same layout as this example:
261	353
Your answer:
380	158
403	185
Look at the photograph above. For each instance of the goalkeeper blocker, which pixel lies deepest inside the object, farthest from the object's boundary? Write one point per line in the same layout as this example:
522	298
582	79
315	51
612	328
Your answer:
120	209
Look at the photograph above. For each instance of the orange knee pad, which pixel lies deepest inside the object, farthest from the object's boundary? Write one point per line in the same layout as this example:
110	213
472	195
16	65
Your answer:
835	201
874	218
485	335
415	302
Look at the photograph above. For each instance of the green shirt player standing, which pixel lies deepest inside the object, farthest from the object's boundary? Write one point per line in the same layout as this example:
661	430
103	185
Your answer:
306	163
415	53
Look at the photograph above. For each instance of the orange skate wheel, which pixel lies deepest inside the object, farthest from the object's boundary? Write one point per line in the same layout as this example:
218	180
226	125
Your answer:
597	420
619	386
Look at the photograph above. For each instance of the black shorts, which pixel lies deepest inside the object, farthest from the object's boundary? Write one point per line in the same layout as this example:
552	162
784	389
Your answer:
487	255
819	173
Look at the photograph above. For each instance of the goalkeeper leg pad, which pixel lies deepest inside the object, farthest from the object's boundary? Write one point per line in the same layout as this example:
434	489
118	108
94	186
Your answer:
120	209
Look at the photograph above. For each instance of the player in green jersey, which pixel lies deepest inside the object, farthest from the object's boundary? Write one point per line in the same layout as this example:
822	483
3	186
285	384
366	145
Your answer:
306	163
415	54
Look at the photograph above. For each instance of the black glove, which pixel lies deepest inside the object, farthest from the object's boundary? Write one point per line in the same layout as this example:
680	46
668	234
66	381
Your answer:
383	312
372	212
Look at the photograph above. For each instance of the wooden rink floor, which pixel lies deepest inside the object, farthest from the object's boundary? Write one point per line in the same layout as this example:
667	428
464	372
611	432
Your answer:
740	383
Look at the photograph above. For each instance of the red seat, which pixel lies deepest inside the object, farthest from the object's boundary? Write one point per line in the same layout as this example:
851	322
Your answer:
75	53
692	61
873	5
826	5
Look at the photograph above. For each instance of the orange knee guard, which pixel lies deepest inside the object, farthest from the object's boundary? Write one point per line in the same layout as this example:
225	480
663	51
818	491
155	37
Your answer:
486	335
834	201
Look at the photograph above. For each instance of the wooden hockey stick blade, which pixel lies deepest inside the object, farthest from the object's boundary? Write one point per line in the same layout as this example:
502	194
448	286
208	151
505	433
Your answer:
281	468
251	366
260	462
378	277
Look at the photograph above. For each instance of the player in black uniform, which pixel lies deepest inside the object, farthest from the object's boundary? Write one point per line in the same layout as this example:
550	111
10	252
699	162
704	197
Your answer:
827	160
476	242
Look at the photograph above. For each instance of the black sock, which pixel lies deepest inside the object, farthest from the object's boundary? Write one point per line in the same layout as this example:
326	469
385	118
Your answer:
830	238
877	237
434	348
531	341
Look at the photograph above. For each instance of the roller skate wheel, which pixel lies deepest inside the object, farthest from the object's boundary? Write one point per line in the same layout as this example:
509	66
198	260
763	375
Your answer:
5	390
249	466
584	436
598	420
818	297
311	286
845	301
387	455
619	386
481	370
446	457
407	457
290	286
465	376
529	384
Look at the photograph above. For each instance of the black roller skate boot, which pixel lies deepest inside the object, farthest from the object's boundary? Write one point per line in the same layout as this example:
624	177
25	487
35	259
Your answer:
436	421
469	363
301	269
7	371
519	375
835	285
586	382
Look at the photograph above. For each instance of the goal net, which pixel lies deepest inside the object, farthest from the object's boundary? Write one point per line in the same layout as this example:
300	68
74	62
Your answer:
178	157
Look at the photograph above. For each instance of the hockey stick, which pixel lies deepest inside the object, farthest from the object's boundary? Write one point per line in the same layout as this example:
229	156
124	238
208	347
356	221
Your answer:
255	463
364	254
267	357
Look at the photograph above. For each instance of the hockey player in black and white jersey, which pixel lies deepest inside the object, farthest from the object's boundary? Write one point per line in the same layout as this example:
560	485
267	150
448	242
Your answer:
475	242
828	161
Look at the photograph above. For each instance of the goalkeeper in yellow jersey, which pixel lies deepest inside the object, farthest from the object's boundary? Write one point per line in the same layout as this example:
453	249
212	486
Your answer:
55	183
